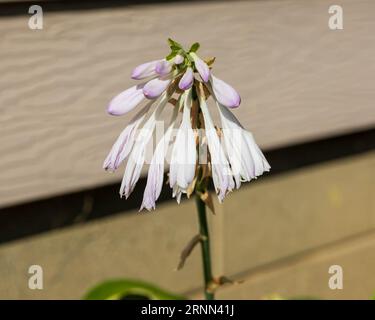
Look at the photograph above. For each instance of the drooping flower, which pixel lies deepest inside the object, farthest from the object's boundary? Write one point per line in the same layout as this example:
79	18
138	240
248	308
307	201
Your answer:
163	67
137	155
178	59
155	175
201	67
145	70
184	153
246	159
155	87
224	93
125	141
187	79
221	171
184	80
126	100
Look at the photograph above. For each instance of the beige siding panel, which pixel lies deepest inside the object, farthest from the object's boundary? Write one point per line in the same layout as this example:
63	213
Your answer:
293	213
336	210
307	275
298	79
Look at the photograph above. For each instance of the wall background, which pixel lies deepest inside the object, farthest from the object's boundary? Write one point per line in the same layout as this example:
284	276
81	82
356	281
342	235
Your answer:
299	81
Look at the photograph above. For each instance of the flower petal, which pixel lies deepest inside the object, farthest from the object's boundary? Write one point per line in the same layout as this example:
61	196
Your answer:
154	88
260	162
201	66
178	59
145	70
126	100
125	141
224	93
163	67
187	79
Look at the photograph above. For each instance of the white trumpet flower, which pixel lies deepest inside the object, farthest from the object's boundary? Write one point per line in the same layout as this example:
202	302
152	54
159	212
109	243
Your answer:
246	159
137	155
155	175
184	154
221	171
125	141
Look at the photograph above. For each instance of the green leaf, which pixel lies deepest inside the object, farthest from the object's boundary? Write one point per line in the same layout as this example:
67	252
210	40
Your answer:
123	289
171	55
276	296
175	48
174	44
195	46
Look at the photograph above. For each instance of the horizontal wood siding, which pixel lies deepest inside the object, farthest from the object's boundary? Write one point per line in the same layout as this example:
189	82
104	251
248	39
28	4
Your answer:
298	79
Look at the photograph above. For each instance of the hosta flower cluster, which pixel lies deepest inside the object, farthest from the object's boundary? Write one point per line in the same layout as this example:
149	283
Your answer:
198	148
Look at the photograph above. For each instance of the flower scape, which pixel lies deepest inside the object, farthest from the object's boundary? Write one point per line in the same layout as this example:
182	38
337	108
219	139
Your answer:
199	151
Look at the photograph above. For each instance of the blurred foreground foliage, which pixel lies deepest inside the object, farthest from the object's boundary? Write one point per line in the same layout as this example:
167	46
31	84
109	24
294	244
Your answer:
129	289
126	289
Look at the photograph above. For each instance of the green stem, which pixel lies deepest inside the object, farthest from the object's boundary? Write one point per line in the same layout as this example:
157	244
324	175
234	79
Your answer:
205	245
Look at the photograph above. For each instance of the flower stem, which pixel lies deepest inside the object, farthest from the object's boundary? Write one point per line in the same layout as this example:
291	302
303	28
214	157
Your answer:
205	245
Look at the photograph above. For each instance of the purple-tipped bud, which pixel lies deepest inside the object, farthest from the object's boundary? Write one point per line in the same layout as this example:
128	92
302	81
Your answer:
154	88
224	93
145	70
201	66
163	67
178	59
187	79
126	100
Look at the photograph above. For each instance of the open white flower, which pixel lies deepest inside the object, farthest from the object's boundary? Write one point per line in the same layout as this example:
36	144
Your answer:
137	155
221	171
246	159
125	141
155	175
184	153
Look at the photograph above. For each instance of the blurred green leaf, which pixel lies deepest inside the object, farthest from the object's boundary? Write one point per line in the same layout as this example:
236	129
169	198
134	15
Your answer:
124	289
171	55
194	47
276	296
174	44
